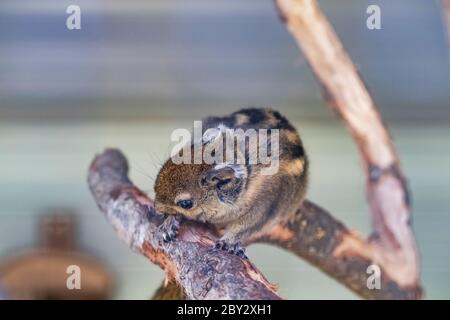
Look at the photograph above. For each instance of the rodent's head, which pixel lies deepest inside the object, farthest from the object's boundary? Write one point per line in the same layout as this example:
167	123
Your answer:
201	192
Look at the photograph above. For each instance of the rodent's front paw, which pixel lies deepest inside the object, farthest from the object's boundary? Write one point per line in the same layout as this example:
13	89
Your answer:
168	230
231	248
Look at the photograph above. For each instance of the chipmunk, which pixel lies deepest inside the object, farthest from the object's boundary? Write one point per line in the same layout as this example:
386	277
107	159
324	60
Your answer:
236	198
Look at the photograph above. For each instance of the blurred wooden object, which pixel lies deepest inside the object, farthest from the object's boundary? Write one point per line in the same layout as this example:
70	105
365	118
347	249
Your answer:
41	273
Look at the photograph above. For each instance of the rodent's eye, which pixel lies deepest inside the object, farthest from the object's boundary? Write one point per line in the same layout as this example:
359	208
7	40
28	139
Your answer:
185	204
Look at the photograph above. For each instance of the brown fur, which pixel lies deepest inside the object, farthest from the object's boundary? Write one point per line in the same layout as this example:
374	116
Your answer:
245	205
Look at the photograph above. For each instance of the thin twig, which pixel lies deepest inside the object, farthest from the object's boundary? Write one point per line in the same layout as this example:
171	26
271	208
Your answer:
446	17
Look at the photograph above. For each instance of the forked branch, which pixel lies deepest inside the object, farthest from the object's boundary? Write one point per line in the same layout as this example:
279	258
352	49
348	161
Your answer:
446	17
392	244
201	272
313	234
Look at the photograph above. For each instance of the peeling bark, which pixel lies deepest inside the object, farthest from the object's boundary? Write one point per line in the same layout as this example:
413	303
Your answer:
203	273
317	237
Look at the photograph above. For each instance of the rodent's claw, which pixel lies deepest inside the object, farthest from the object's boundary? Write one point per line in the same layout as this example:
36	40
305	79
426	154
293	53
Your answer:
238	250
168	230
241	253
235	248
221	244
169	236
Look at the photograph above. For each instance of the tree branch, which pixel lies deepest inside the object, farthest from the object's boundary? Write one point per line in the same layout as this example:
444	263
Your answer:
313	233
201	272
446	16
392	244
317	237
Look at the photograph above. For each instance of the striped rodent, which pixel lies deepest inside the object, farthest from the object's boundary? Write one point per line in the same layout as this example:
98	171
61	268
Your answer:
236	198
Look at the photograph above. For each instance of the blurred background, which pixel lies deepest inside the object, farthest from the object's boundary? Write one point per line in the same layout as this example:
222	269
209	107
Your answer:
139	69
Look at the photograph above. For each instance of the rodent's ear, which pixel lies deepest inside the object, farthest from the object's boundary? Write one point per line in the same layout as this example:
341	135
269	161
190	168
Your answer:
223	174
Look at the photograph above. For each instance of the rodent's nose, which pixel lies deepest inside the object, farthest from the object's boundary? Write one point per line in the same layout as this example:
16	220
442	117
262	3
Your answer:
159	208
164	209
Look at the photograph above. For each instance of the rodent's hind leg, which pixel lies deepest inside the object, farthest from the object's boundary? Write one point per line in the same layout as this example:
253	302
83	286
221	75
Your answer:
240	230
168	230
231	248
